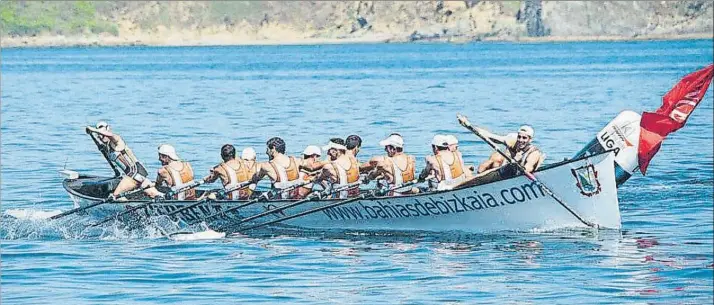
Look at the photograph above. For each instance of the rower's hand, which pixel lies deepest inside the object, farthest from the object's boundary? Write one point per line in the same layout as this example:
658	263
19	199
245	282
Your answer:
463	120
147	184
421	178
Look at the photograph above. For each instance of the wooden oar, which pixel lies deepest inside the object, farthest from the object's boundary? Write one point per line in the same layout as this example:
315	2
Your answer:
364	195
206	199
464	121
312	196
144	205
262	197
108	200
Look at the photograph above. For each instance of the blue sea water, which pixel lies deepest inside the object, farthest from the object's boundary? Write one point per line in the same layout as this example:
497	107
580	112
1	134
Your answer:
198	98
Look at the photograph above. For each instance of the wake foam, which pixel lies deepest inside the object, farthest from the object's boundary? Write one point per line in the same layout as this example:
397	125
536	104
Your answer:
31	214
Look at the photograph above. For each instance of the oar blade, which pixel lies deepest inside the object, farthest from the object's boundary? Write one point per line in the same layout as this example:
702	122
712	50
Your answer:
190	236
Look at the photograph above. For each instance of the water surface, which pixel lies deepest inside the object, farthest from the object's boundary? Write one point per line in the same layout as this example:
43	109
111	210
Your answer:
199	98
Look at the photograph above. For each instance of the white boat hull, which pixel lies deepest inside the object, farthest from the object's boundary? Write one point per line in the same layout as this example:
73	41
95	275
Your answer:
587	186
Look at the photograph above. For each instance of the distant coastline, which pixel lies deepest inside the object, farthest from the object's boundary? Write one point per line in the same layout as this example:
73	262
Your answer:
225	23
227	40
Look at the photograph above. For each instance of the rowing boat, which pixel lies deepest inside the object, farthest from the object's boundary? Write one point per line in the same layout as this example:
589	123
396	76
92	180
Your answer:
580	192
587	184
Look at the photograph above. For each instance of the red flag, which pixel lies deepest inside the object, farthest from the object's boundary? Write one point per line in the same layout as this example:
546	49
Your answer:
676	107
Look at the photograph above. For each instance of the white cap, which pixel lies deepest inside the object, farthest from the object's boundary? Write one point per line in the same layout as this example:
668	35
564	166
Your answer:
439	140
527	130
248	154
333	145
312	150
101	124
393	140
451	140
511	139
168	150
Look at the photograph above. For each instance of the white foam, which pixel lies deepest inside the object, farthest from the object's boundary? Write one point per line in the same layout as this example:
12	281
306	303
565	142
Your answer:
204	235
31	214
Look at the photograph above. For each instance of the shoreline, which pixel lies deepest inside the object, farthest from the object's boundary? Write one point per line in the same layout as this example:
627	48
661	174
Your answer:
224	39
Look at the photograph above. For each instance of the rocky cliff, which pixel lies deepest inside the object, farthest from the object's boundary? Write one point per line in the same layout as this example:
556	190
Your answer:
238	22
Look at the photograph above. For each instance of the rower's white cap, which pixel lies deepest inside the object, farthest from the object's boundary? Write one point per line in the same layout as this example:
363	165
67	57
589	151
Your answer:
312	150
393	140
101	124
334	145
511	139
168	150
451	140
248	153
527	130
439	141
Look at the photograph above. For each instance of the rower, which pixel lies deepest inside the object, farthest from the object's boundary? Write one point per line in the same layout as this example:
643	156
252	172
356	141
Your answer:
518	146
310	155
341	169
115	149
249	159
232	172
353	143
395	168
445	165
173	173
453	143
283	171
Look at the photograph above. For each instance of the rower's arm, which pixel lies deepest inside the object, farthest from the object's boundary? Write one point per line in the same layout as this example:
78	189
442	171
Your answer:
428	169
378	172
312	166
325	175
212	176
370	165
533	161
498	139
162	176
485	165
260	173
468	170
104	132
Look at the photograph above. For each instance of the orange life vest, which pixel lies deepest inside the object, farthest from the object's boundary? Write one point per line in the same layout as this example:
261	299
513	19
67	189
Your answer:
240	174
352	176
286	175
455	168
400	176
180	178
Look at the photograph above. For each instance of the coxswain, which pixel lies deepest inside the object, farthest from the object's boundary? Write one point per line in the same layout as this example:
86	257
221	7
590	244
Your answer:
341	169
115	149
232	172
518	146
173	173
445	165
283	170
396	168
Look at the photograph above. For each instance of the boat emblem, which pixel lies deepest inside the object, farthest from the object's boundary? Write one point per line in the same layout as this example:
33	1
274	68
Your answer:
586	180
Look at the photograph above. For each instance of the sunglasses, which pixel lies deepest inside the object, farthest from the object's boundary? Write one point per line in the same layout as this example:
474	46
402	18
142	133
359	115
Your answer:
523	137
